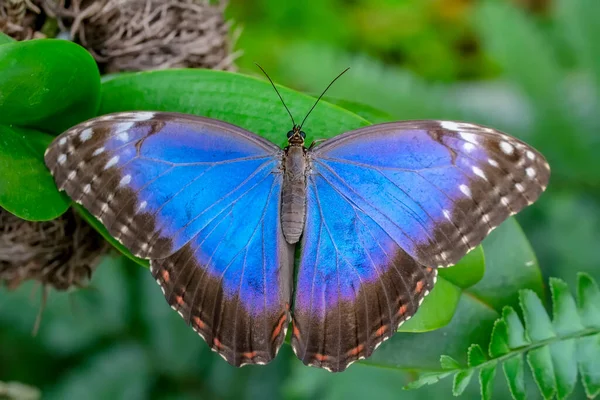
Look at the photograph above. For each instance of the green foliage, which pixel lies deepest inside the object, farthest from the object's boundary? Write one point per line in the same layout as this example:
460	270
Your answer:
554	348
46	86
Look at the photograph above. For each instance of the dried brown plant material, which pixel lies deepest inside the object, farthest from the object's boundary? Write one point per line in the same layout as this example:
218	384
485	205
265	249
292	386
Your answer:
60	253
18	19
134	35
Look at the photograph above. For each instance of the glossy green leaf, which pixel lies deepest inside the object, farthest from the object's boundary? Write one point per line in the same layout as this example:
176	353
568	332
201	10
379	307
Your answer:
514	371
469	270
434	312
241	100
47	84
26	187
461	381
4	38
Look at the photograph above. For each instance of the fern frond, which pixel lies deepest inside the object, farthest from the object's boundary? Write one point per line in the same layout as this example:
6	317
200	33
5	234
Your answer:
557	349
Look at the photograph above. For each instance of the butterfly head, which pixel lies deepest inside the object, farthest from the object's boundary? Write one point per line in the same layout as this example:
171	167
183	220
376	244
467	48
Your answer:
296	136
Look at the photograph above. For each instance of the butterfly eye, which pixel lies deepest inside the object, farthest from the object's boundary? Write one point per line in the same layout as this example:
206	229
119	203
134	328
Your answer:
289	134
303	134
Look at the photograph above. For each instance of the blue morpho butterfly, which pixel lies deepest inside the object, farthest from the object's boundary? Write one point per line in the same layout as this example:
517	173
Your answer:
219	211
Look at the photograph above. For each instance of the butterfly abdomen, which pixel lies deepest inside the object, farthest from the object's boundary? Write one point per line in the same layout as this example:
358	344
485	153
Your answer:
293	194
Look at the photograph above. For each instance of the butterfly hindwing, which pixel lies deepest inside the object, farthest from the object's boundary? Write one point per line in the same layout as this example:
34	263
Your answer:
200	198
386	205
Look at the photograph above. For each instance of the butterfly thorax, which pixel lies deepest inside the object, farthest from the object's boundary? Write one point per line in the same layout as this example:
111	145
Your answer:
293	194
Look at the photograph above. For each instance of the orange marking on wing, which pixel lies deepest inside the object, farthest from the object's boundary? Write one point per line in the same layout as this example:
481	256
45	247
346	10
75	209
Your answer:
198	322
402	310
381	330
249	355
279	326
321	357
419	287
217	343
165	275
295	329
179	300
356	351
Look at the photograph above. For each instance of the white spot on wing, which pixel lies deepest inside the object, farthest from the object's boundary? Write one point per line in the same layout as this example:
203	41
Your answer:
471	137
62	159
530	172
493	163
62	141
477	171
530	155
450	125
143	115
520	187
507	148
98	151
111	162
71	175
87	188
504	201
465	189
143	205
447	214
125	180
469	147
86	134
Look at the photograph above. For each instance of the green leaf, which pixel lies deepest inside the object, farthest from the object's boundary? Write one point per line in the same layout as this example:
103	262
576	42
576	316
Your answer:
588	356
553	358
469	270
565	317
589	300
47	84
461	381
241	100
486	380
514	371
537	321
27	189
499	342
540	362
448	362
476	356
4	38
517	337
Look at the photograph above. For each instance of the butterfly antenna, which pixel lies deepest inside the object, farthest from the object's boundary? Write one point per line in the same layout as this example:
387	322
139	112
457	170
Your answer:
324	91
277	91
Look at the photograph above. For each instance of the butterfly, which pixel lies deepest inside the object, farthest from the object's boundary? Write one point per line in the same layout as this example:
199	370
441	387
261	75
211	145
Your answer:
219	212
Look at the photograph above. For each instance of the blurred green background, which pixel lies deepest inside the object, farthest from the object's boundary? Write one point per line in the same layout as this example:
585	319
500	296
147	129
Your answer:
530	68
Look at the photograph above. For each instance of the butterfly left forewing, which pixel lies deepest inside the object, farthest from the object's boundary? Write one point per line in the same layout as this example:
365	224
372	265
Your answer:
387	205
200	198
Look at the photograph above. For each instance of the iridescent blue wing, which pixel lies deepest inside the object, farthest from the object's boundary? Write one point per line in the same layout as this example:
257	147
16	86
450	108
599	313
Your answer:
386	206
200	198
